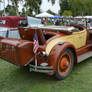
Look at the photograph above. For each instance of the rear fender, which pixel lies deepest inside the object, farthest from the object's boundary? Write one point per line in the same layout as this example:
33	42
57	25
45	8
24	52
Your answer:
57	51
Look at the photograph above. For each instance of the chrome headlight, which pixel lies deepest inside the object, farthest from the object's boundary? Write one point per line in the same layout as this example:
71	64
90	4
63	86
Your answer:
43	54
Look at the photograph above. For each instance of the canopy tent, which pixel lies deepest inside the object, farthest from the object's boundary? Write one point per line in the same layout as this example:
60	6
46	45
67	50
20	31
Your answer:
79	17
88	17
56	17
44	14
85	17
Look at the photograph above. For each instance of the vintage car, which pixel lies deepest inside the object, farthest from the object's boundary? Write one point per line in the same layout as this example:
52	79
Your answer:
59	48
10	24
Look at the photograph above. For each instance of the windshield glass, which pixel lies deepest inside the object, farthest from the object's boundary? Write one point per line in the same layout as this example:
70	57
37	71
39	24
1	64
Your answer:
3	28
2	21
3	31
34	22
14	33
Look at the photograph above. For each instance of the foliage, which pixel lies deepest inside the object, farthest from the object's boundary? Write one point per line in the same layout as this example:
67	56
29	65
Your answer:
32	6
1	12
77	7
15	4
51	12
10	10
23	13
67	13
81	8
64	5
52	1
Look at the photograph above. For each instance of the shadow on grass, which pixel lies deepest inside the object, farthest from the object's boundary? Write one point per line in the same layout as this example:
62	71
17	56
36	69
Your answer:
83	63
21	75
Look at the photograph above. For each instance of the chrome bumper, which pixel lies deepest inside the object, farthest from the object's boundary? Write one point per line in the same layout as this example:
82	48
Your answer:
42	69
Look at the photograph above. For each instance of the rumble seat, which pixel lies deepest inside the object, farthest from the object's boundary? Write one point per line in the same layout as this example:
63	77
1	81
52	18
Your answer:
28	34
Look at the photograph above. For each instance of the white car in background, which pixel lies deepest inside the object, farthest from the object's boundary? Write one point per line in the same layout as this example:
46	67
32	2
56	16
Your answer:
89	26
9	26
34	22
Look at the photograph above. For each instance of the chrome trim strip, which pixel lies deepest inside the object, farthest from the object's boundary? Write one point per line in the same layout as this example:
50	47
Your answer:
84	56
41	69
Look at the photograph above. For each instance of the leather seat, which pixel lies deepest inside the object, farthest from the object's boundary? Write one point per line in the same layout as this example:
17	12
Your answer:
28	34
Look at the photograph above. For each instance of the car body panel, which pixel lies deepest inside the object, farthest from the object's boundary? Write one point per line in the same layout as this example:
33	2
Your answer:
16	51
10	21
52	43
78	39
9	25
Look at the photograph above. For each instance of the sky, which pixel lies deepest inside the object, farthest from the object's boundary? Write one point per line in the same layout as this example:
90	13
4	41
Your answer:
47	5
44	7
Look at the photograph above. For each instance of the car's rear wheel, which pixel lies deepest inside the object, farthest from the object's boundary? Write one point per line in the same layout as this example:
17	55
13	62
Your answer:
65	64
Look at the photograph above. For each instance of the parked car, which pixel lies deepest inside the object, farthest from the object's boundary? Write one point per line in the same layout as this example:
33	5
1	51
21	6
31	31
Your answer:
58	49
10	24
89	26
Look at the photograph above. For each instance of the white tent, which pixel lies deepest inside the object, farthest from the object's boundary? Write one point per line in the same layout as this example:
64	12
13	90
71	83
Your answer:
79	17
88	17
44	14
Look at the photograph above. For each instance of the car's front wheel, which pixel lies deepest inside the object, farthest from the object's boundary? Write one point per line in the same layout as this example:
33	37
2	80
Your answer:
65	64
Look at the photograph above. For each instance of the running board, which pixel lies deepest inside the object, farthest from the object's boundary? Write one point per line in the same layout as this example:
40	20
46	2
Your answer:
84	56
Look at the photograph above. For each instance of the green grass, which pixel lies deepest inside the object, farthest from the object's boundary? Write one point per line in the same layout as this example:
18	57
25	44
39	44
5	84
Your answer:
15	79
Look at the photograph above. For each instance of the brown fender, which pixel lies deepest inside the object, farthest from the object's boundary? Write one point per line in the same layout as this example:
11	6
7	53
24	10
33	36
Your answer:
57	51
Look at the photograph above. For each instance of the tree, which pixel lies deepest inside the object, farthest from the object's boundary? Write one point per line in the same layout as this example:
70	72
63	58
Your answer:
77	7
67	13
52	1
4	7
8	1
49	11
15	4
32	6
0	0
23	14
64	5
81	8
10	10
1	12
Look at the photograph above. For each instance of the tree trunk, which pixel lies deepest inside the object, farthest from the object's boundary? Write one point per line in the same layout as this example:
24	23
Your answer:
16	4
4	7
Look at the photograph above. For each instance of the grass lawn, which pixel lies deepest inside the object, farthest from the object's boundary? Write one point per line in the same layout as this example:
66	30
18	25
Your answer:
15	79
